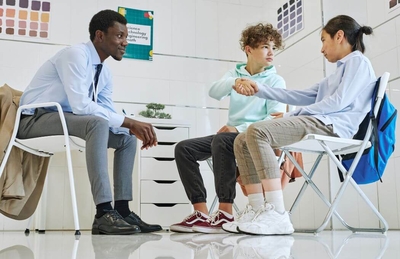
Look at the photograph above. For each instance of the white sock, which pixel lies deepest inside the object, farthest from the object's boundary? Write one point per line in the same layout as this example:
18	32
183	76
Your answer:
256	200
276	198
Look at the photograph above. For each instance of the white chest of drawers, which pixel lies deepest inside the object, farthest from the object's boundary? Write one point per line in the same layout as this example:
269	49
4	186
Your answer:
160	197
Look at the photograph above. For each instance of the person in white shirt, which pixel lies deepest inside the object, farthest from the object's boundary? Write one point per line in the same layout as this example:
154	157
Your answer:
76	78
333	107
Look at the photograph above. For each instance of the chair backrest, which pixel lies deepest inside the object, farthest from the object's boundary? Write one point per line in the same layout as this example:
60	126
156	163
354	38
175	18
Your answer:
378	127
365	128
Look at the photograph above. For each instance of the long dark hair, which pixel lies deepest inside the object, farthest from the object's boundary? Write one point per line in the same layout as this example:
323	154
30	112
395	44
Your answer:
352	30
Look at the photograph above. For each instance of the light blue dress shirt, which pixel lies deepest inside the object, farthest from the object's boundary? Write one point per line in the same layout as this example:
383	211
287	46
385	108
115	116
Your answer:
67	77
341	99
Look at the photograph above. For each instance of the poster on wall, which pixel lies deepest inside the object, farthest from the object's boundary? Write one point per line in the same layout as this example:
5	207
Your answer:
25	18
140	33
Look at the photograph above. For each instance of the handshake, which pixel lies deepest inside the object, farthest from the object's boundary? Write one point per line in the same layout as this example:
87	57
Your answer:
245	86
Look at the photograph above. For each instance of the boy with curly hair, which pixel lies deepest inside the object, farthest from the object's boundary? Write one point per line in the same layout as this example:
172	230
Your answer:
259	42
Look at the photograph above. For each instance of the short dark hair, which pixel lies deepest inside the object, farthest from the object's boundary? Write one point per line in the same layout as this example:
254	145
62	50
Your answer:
256	35
352	30
104	20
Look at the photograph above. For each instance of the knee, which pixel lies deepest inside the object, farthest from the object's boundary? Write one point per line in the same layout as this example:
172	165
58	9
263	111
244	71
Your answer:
254	132
218	141
181	148
130	140
240	142
221	142
98	124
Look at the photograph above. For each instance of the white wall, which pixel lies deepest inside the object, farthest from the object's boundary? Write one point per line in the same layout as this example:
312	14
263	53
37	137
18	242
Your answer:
195	43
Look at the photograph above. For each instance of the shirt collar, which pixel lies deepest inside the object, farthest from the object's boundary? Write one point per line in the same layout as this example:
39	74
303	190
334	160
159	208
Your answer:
349	56
93	53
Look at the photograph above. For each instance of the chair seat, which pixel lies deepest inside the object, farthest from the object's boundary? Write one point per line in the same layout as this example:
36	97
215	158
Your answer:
339	146
49	144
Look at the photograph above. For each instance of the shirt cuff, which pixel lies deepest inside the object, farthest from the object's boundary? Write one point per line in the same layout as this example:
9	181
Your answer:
116	120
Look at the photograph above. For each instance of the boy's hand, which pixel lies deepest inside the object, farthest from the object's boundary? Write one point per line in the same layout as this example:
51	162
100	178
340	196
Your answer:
277	115
245	86
227	129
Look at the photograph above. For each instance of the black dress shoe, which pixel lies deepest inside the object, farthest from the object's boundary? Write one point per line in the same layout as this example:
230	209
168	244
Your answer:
134	219
112	223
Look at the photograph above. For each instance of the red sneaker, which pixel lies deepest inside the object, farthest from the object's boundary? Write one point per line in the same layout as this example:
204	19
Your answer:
213	225
186	225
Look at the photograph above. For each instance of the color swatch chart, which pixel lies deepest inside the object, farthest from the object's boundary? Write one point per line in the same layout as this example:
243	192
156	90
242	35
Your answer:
394	4
27	18
290	18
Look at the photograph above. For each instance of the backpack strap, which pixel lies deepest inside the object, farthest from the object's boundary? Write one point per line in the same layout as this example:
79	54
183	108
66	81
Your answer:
374	135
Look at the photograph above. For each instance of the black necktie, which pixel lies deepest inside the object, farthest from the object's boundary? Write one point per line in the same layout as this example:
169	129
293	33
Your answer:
96	77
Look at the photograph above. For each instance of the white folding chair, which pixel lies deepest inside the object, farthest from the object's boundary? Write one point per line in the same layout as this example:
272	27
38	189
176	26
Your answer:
46	147
332	146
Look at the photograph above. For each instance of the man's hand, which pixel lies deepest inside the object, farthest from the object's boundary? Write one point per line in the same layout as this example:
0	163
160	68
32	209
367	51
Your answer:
142	130
245	86
277	115
227	129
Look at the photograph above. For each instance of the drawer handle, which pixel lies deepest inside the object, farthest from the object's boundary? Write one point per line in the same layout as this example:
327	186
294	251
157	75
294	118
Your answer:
164	181
165	204
166	143
164	158
164	128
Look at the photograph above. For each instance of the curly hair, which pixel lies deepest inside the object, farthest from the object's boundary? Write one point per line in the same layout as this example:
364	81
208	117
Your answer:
258	34
104	20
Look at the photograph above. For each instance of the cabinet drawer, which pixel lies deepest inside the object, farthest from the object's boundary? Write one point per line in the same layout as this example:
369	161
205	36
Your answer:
171	134
158	169
161	150
162	192
165	215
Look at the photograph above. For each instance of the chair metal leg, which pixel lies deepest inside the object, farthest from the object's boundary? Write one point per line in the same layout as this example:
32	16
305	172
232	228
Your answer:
212	207
42	208
332	207
72	190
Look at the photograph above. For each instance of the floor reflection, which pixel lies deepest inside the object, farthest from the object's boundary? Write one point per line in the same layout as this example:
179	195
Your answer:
17	252
166	245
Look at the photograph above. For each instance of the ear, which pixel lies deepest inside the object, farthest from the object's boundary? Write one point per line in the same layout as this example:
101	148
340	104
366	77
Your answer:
99	35
339	36
247	49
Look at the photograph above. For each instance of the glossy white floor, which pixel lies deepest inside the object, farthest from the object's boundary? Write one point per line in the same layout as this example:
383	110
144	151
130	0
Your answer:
166	245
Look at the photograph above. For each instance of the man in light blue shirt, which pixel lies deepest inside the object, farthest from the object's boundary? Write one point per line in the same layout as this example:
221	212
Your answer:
77	79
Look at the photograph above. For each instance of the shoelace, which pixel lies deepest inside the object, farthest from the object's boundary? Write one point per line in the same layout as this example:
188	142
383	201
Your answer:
195	213
114	214
245	211
265	207
214	217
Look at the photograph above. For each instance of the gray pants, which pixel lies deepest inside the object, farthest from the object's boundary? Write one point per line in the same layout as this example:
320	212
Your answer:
95	131
254	149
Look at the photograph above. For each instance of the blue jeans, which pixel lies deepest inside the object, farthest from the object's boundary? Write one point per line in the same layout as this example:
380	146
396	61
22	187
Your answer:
220	148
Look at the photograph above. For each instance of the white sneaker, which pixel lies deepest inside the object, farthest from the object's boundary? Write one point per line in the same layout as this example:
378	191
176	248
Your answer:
266	247
244	216
267	221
